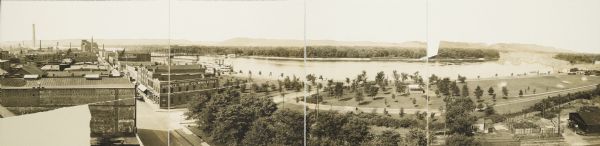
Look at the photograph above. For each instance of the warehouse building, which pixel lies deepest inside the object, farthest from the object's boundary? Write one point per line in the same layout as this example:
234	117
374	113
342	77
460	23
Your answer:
585	122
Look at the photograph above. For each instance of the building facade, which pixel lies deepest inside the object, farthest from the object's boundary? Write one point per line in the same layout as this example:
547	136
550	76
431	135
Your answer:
177	86
112	105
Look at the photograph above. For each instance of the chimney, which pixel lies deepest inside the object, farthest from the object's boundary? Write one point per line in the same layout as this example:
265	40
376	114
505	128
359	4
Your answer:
33	36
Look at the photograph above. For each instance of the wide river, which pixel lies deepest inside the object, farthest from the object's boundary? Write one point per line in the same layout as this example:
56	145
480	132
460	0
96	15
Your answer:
509	63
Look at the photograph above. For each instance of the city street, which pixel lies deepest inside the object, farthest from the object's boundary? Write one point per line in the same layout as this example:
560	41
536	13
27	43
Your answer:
156	127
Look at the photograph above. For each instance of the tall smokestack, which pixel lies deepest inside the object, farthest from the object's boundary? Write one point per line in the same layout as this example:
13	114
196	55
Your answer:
33	36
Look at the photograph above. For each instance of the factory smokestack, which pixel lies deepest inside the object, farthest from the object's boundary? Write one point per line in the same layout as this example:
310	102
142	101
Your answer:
33	36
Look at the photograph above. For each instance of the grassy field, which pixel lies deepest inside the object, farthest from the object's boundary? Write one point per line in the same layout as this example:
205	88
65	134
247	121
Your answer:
401	101
541	84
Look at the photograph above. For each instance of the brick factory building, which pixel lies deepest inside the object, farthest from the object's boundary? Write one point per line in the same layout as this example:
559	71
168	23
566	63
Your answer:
186	82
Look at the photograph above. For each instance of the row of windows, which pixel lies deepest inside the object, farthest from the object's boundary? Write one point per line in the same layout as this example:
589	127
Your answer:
186	88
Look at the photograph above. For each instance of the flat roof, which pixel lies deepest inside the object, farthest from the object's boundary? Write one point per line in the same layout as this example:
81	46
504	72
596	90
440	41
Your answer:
590	118
60	83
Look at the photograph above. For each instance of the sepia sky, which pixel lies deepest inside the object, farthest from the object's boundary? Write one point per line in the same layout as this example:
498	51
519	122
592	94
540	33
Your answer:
568	24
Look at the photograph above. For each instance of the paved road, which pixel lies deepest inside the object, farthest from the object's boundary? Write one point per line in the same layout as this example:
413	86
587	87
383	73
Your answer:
157	127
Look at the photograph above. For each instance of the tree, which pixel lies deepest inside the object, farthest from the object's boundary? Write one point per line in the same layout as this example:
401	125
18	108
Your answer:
489	110
359	96
231	123
355	131
416	137
478	92
372	91
389	138
319	87
400	87
347	81
339	89
465	91
454	88
260	133
491	91
379	78
396	75
444	86
480	105
458	115
520	93
243	88
504	91
265	88
404	76
462	79
433	79
328	125
285	122
311	78
461	140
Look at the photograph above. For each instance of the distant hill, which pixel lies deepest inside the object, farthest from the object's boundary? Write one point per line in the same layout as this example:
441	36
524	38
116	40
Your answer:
289	42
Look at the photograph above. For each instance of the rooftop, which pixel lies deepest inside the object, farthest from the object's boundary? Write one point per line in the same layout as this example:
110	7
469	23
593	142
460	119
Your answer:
177	68
58	83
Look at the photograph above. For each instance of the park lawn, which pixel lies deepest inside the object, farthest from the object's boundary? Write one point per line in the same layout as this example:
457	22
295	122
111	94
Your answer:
540	84
377	101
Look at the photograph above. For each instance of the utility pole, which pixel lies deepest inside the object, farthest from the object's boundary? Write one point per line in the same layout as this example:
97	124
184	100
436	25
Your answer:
559	120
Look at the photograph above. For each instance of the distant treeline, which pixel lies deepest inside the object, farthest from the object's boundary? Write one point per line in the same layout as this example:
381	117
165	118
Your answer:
578	57
337	52
461	53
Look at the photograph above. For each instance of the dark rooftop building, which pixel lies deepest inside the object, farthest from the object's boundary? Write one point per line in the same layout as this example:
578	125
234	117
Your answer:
585	122
21	70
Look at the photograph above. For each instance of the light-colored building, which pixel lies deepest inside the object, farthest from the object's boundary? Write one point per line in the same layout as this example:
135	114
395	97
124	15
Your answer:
413	88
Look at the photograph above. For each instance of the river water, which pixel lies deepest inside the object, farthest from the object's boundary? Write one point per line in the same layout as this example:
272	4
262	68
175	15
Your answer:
516	64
